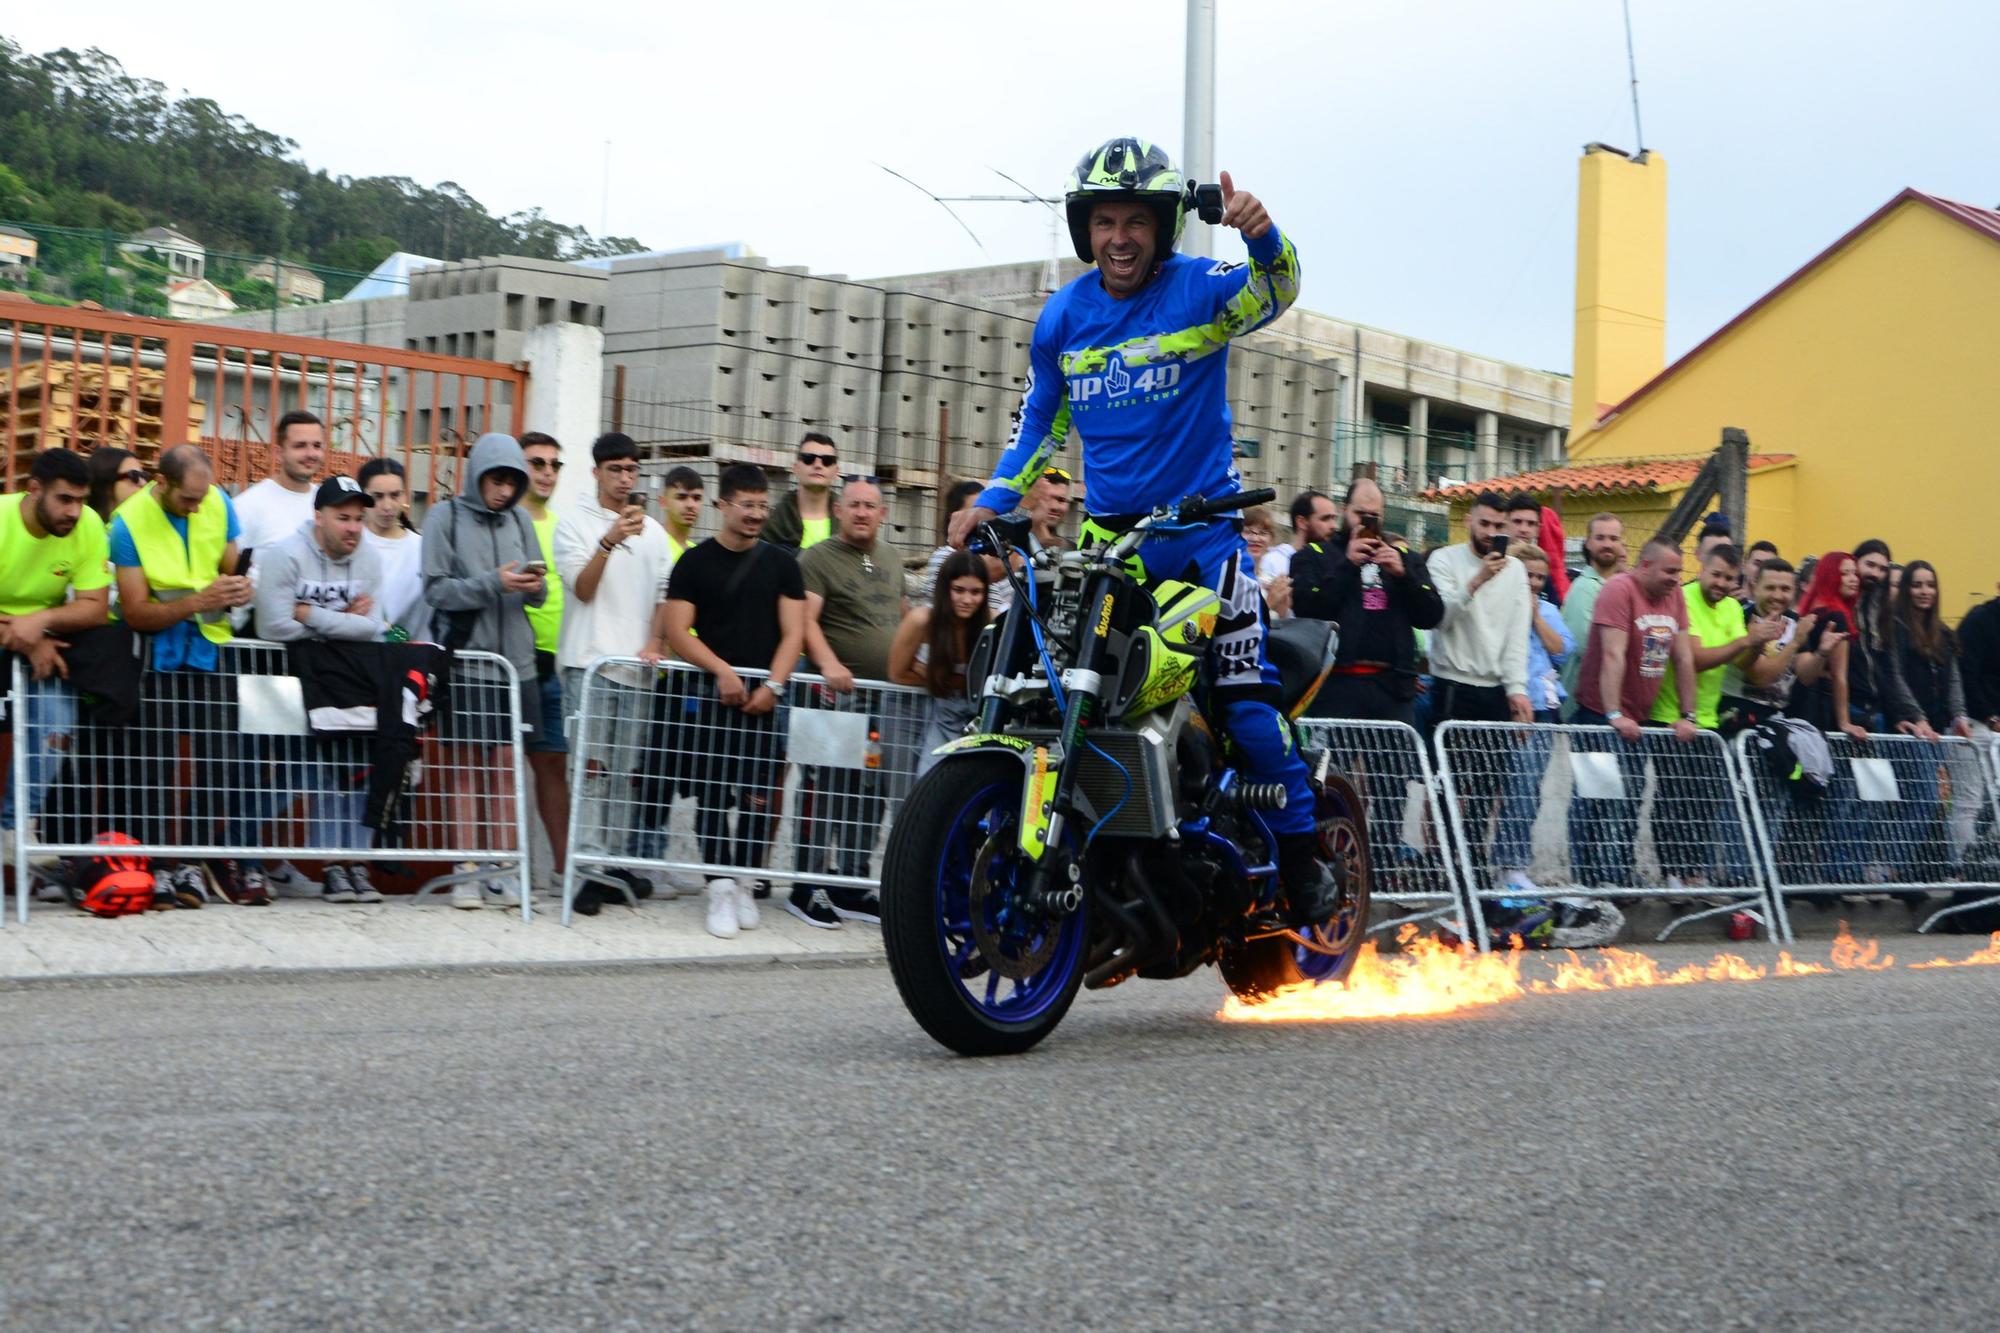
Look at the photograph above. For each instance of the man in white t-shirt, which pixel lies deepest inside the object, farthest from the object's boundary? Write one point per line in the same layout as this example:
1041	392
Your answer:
613	559
269	512
282	503
1313	520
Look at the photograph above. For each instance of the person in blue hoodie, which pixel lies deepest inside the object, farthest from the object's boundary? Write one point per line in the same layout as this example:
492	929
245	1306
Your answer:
1134	356
483	569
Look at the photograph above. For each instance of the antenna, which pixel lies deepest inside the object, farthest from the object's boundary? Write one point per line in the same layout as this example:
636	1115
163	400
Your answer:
1632	64
941	203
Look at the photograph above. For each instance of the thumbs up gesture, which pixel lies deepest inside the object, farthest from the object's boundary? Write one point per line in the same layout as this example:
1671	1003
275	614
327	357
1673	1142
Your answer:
1243	210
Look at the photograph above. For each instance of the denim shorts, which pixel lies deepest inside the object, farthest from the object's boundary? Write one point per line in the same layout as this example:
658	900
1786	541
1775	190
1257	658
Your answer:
549	738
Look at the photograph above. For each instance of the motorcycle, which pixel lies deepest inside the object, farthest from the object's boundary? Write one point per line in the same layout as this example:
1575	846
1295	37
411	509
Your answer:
1091	827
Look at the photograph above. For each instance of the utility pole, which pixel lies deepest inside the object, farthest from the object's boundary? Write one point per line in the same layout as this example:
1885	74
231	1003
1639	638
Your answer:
1198	125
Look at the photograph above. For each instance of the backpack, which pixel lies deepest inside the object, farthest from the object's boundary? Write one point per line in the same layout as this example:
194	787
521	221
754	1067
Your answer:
1795	755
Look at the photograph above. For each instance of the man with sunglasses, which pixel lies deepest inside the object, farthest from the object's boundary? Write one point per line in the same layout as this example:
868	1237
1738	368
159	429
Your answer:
1134	355
804	518
1048	508
548	749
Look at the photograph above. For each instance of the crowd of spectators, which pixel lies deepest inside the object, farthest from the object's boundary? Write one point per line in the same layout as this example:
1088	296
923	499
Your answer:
1496	627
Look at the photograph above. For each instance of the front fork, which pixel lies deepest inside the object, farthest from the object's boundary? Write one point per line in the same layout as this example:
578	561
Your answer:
1049	798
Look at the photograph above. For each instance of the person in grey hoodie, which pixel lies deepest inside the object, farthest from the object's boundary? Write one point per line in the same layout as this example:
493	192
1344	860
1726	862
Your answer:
483	568
322	583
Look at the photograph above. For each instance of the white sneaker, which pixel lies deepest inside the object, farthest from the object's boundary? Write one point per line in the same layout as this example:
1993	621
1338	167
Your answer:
1516	882
722	915
500	892
288	881
747	915
466	894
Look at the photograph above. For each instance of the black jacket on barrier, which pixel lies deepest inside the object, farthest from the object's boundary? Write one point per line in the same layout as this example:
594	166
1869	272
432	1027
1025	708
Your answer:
1376	612
390	690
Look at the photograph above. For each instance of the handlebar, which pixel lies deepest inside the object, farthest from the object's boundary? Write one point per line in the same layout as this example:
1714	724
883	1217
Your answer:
1198	507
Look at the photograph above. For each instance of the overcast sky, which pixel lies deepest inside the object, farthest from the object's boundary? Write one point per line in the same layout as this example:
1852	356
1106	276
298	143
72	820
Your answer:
1422	154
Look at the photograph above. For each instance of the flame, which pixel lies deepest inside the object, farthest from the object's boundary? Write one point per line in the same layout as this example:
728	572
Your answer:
1428	978
1850	955
1987	957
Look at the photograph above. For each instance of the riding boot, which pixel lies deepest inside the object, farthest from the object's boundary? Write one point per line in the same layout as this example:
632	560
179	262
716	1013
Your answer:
1309	882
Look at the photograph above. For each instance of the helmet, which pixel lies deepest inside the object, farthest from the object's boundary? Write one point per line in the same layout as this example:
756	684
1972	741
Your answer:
1126	168
113	884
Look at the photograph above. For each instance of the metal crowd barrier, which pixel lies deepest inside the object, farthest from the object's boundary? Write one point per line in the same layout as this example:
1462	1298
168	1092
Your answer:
1901	816
1407	843
665	777
1584	813
220	764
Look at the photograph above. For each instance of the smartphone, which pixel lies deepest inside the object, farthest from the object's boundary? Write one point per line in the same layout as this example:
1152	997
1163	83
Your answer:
1371	531
243	560
1497	543
639	498
535	567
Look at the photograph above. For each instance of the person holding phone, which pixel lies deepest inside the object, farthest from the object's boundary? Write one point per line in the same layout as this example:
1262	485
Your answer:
1479	652
1378	591
476	549
613	559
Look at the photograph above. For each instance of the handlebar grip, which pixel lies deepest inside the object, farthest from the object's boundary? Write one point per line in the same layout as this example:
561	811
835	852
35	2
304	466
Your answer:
1228	504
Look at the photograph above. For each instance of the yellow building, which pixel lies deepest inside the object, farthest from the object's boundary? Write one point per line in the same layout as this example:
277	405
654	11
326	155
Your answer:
1861	381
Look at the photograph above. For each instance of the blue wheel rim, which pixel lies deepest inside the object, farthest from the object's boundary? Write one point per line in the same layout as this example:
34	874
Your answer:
1000	999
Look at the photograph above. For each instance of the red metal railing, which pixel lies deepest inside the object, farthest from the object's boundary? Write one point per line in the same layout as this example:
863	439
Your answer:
84	378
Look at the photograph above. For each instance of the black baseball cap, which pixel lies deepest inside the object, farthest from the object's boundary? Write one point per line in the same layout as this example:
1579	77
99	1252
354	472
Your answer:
339	491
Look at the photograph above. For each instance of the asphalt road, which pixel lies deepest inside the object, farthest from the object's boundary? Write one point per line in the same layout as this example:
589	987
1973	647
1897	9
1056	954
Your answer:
653	1148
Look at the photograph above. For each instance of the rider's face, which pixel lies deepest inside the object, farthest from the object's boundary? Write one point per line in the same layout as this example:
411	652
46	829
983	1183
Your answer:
1124	241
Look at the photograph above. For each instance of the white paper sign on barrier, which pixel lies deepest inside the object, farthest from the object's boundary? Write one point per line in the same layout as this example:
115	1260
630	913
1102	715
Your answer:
1596	775
271	706
1875	780
823	739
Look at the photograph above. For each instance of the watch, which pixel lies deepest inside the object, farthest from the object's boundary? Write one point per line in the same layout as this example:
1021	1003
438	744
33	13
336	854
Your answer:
1613	715
1689	717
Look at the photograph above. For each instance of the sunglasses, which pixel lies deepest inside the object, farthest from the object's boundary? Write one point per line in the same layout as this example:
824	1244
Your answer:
137	476
824	460
552	464
1057	474
849	478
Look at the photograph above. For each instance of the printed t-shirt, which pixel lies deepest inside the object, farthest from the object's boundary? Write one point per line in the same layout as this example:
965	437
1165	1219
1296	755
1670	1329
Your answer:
36	572
1711	627
1650	628
1736	685
735	596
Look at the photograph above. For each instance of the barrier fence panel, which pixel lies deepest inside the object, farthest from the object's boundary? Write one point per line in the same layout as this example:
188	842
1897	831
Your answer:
221	765
1581	812
1407	844
1901	816
664	776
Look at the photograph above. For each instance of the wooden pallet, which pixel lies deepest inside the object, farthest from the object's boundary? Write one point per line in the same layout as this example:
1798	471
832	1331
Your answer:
63	374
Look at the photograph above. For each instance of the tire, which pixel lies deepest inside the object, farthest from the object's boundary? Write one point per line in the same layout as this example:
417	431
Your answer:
945	830
1258	969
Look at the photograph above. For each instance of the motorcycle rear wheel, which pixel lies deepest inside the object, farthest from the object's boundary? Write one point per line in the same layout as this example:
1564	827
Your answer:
1258	969
951	854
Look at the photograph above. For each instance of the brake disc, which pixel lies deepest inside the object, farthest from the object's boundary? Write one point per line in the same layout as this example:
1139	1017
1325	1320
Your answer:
1010	957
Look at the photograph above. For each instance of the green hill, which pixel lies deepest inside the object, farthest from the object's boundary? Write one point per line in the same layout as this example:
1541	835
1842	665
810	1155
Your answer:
86	145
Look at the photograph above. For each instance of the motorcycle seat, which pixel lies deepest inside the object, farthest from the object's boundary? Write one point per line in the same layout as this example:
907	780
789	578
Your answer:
1300	649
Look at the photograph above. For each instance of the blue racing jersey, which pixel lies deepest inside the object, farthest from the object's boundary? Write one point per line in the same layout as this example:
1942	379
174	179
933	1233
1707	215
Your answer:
1145	380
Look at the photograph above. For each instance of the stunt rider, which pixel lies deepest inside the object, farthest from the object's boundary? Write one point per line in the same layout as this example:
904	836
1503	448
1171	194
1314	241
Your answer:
1134	355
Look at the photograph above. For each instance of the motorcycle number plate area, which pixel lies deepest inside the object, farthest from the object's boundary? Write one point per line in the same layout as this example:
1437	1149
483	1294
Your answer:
1037	795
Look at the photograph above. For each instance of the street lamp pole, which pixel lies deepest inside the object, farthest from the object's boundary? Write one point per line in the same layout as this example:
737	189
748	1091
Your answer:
1198	128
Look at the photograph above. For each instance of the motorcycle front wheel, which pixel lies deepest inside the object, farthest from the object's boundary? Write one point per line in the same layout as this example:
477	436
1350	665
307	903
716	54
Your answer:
977	971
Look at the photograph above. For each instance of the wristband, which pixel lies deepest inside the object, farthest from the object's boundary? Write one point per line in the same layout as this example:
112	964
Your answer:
1613	715
604	547
1689	717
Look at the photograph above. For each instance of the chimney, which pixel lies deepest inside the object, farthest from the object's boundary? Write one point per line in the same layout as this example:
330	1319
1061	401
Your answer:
1621	279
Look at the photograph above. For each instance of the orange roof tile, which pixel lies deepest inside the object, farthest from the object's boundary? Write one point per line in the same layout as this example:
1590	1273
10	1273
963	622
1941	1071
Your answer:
1620	476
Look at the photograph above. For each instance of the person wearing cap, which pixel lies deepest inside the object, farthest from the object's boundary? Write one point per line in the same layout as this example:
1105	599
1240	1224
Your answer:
323	582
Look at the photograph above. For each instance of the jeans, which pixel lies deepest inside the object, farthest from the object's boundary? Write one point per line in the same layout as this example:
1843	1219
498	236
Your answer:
733	760
273	773
339	794
1919	850
51	735
1521	798
1602	832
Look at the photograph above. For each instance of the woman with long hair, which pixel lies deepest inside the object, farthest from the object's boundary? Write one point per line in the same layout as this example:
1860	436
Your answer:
1925	692
1830	600
390	534
932	645
115	474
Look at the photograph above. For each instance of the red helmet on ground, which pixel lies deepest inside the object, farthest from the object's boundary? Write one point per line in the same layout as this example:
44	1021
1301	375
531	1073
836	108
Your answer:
114	883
